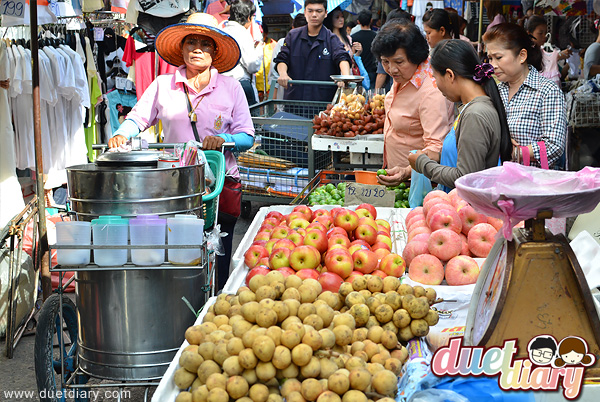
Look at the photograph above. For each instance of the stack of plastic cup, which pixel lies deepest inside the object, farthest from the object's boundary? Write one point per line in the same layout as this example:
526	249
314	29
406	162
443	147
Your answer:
185	230
75	233
147	230
110	230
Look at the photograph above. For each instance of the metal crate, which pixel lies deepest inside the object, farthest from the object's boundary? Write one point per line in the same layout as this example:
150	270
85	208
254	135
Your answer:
283	130
585	110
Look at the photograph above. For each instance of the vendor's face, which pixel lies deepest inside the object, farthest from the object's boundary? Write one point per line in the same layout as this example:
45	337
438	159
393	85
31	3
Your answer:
315	14
198	51
434	36
338	20
398	66
507	65
539	34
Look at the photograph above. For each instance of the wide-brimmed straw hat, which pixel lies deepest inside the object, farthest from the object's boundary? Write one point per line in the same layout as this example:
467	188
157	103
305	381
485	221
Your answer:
169	41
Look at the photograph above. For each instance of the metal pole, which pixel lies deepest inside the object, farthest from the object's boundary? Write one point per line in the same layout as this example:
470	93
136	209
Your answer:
39	164
479	44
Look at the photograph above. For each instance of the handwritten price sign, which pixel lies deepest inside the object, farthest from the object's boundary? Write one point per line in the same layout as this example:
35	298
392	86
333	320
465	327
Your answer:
14	8
376	195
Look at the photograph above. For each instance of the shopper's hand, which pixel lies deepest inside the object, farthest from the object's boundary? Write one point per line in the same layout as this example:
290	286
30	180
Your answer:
283	80
565	54
213	142
117	141
412	158
357	48
395	176
4	84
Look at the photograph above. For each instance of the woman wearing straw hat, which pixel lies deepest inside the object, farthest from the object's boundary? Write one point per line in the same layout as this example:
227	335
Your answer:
197	102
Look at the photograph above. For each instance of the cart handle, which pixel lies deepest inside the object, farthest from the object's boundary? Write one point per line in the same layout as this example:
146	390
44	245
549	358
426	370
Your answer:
160	145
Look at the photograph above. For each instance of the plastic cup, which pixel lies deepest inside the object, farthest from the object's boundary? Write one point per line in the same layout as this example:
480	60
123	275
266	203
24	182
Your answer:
110	230
147	230
185	230
74	233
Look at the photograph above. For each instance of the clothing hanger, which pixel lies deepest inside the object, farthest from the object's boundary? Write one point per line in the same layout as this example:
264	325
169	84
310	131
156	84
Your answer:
548	46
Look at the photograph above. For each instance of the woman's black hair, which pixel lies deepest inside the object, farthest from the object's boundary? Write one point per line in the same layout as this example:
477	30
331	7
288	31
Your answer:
533	22
515	38
299	21
397	34
400	14
460	57
438	18
544	343
241	11
328	23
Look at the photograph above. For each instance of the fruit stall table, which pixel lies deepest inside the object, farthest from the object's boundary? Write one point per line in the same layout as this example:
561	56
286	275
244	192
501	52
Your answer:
366	151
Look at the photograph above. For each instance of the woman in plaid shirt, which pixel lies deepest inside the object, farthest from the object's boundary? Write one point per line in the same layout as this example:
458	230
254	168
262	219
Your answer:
535	106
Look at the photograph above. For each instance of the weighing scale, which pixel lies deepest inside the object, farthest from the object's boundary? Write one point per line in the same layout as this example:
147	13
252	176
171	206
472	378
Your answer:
531	286
347	80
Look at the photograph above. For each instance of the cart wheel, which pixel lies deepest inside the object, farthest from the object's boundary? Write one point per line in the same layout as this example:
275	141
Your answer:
246	209
50	333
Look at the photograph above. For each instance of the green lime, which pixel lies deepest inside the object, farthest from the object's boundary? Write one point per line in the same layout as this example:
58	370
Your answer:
402	185
398	204
382	172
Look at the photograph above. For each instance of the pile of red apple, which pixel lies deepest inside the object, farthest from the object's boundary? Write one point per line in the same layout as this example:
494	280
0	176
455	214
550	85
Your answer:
447	230
329	246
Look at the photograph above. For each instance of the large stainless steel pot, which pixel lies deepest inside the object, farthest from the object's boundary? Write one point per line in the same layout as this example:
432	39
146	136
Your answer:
132	322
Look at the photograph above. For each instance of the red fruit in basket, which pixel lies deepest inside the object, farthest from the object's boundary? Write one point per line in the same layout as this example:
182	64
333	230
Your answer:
379	273
271	222
305	257
253	255
304	210
321	212
495	222
444	244
264	261
338	239
284	243
361	242
438	207
308	274
280	232
368	207
316	226
335	210
317	239
256	271
339	261
325	220
300	230
296	238
274	214
481	238
270	244
436	194
294	215
413	249
280	258
299	223
383	229
335	231
365	261
418	231
286	271
259	243
330	281
346	219
445	219
380	245
469	218
366	233
266	228
413	212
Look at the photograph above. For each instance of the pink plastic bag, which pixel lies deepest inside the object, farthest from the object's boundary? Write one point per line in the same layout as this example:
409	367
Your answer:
513	192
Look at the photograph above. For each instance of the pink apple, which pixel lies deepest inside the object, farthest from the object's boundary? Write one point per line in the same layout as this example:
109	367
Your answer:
460	204
262	236
445	219
321	212
266	228
462	270
265	261
469	218
436	194
355	247
284	243
454	197
481	238
304	210
294	215
424	237
253	255
438	207
372	212
274	214
414	223
444	244
413	212
393	265
379	273
280	232
270	244
259	243
296	238
308	274
360	241
366	233
383	229
383	222
271	222
286	271
346	219
380	253
351	278
260	270
384	239
495	222
365	220
330	281
413	249
338	239
315	225
465	245
299	223
380	245
335	231
418	231
334	211
325	220
280	257
302	231
317	239
334	246
431	202
415	217
339	262
305	257
426	269
365	261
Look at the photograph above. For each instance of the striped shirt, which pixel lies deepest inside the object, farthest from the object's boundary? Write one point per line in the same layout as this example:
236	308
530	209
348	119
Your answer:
537	112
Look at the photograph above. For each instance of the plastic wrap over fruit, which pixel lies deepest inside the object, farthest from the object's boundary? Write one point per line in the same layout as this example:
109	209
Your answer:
514	192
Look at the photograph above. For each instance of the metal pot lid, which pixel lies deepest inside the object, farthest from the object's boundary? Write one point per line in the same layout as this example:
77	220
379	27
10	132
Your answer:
347	78
146	157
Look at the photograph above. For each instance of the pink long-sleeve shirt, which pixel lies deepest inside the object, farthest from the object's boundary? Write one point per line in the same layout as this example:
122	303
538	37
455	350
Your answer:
224	109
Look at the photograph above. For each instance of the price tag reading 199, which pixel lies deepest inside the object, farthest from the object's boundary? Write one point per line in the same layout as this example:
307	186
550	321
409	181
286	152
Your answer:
14	8
375	195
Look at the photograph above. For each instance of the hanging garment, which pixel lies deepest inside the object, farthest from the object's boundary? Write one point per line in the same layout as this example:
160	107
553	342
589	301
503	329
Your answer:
550	66
163	8
120	104
11	197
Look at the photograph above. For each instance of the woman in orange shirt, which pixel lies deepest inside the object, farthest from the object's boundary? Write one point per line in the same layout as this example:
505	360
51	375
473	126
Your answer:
417	116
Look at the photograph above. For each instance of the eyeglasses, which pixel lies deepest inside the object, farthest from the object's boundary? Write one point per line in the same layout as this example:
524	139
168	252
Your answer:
539	353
